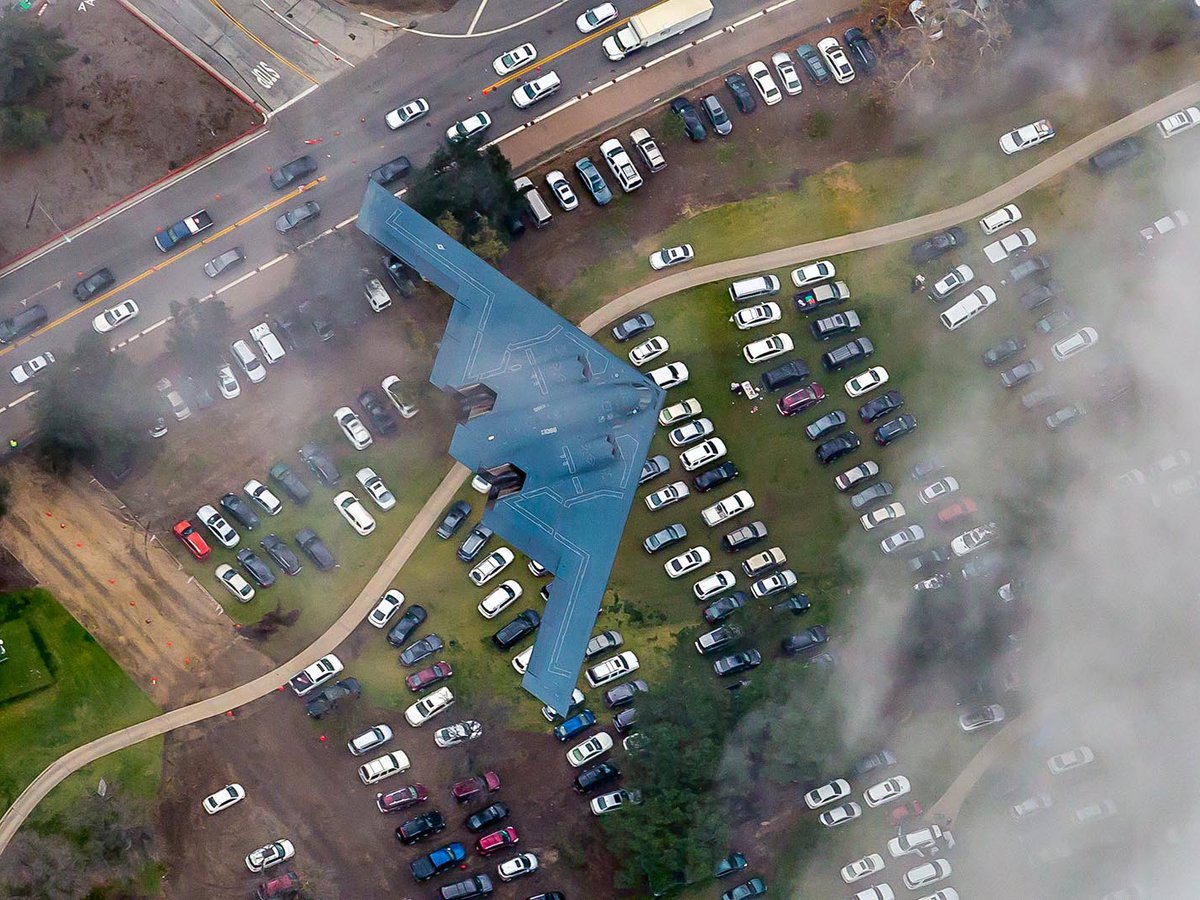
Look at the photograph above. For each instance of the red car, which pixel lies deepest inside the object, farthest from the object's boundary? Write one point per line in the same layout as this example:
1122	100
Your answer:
192	539
439	671
963	509
466	789
497	840
898	814
799	401
401	798
279	887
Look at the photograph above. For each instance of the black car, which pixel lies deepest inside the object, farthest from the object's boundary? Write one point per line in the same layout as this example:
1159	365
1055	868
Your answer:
741	92
896	428
1002	350
924	468
824	425
806	641
932	560
1115	155
1029	267
797	604
282	475
734	663
257	569
653	467
861	50
835	326
785	374
281	554
320	465
381	418
872	762
390	171
625	693
1052	320
317	320
986	565
327	700
96	283
475	542
198	393
406	625
422	649
936	245
398	272
721	609
300	215
593	777
468	888
881	406
1041	293
692	125
454	519
880	490
420	828
240	510
848	354
289	172
314	548
625	719
1021	372
813	64
525	624
633	326
489	815
715	477
837	447
744	536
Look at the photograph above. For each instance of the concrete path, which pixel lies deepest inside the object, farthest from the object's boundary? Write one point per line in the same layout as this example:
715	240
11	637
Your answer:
610	312
1002	741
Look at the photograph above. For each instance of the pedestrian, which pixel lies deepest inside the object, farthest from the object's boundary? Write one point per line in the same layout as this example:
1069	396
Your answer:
918	282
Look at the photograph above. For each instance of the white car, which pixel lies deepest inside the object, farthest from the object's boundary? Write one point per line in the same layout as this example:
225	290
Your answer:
373	737
877	517
249	363
375	488
1002	249
389	604
867	381
725	509
663	497
520	662
886	791
881	891
382	767
787	73
224	798
711	585
613	801
624	663
469	127
270	855
235	583
702	454
227	383
690	432
927	873
970	541
969	307
28	369
1072	759
353	428
1180	121
648	149
354	512
670	375
523	864
837	789
458	733
915	842
125	311
813	273
514	59
491	566
754	316
1026	136
835	58
215	523
649	349
621	165
940	489
596	17
902	538
392	387
406	114
561	189
688	561
768	348
1030	805
679	412
839	815
1094	812
958	277
537	89
430	705
1000	219
596	745
500	599
761	76
317	674
549	713
854	475
263	496
774	583
672	256
861	868
1076	343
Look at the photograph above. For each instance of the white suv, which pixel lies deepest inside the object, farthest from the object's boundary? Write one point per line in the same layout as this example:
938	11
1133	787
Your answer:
612	668
355	513
492	565
383	767
622	166
538	89
429	706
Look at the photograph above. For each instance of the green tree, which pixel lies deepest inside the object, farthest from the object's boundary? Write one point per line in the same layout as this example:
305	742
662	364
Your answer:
24	127
486	243
30	55
449	224
196	336
467	183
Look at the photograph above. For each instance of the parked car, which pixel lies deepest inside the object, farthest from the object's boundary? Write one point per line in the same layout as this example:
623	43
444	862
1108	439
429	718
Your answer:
593	181
664	538
1123	151
741	93
715	477
468	128
1176	123
1026	136
861	50
1020	373
421	650
1081	340
837	447
937	244
672	256
880	406
852	476
320	465
814	64
1000	219
625	693
905	537
848	354
669	376
717	117
314	548
886	791
327	700
835	60
1003	350
951	282
974	719
825	424
744	536
722	608
632	327
466	789
692	125
896	428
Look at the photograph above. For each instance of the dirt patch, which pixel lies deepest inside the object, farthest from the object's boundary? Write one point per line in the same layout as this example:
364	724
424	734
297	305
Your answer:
13	575
129	108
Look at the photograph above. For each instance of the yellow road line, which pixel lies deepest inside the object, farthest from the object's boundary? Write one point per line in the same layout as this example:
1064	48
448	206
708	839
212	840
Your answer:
171	260
556	54
256	40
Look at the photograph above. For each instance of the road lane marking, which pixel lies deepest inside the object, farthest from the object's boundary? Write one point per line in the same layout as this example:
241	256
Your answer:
304	93
345	222
296	28
537	64
280	258
479	12
256	40
157	324
501	30
236	282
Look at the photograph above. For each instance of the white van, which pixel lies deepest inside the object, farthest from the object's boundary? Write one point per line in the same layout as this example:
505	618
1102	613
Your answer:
247	361
537	206
751	288
538	89
377	296
383	766
968	307
272	350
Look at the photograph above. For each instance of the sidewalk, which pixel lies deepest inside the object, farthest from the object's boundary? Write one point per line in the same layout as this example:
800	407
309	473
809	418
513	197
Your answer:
611	103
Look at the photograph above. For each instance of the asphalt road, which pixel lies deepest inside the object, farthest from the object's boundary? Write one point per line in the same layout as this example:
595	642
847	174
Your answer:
610	312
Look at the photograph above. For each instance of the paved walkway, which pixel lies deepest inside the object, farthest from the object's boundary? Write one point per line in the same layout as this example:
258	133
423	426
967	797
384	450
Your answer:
610	312
1002	741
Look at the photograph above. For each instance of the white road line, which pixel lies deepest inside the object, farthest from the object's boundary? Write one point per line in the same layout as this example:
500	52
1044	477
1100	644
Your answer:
750	18
509	27
157	324
384	21
267	265
300	96
300	31
479	12
780	5
234	284
21	399
345	222
556	110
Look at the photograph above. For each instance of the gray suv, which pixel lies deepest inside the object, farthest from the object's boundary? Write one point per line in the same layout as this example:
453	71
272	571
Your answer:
475	886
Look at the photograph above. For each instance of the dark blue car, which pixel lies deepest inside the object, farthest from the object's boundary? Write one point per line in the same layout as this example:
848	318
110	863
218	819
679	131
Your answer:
572	726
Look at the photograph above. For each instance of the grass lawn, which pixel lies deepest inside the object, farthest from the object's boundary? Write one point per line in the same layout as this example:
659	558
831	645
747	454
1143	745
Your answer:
25	670
89	697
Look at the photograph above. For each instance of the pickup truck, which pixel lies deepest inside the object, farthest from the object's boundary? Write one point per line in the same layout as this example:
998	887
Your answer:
182	230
